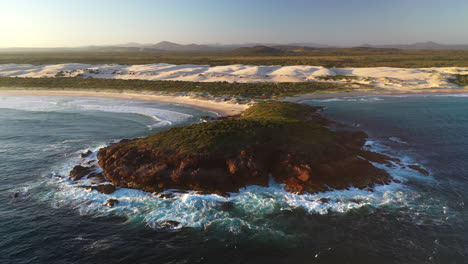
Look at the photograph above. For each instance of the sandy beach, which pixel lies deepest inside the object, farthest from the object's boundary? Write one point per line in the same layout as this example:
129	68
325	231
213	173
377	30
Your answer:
224	108
221	108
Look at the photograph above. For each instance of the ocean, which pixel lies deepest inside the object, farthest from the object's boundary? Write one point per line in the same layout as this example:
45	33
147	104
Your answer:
45	218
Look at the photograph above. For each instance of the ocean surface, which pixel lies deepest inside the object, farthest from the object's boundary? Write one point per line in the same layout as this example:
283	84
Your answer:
45	218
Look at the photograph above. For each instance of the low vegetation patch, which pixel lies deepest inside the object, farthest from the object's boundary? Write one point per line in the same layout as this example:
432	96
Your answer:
323	57
338	78
245	90
460	79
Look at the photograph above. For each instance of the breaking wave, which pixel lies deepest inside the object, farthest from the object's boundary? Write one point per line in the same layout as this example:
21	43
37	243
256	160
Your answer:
246	211
162	117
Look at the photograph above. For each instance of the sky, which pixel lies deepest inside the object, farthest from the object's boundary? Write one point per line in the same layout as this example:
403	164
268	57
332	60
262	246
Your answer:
65	23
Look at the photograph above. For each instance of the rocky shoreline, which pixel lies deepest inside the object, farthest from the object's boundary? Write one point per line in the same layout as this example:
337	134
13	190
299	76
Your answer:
291	143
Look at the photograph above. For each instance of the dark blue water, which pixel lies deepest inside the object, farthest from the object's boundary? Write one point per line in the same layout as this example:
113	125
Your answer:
421	220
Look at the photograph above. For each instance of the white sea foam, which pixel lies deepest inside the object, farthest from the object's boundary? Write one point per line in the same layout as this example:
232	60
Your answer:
162	117
350	99
250	206
451	95
26	104
398	140
200	211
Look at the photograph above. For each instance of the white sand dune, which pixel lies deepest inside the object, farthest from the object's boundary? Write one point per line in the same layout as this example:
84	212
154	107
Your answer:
399	79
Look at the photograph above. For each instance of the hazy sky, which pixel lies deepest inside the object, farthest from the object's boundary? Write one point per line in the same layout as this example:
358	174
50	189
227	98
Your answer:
52	23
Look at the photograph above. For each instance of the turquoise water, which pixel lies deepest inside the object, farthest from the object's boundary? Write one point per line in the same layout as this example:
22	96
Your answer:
421	220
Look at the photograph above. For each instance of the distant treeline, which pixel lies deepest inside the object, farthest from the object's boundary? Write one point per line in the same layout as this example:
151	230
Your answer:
320	57
245	90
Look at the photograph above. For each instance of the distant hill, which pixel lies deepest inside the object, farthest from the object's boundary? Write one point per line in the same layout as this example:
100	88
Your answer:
112	49
369	48
311	45
257	51
133	45
171	46
423	46
292	48
118	49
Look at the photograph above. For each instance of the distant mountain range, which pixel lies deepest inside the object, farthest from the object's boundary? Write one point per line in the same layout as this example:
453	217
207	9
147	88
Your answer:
421	46
241	49
170	46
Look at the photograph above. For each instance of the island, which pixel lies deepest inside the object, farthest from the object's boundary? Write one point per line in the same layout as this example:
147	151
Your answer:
287	142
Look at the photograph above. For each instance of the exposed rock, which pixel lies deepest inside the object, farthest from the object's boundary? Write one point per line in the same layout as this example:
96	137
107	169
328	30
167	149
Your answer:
324	200
86	154
224	194
170	224
153	171
337	171
167	195
179	191
111	202
103	188
418	168
96	177
79	172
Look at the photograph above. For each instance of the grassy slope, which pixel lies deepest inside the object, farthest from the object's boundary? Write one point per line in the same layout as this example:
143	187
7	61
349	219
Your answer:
246	90
326	57
273	124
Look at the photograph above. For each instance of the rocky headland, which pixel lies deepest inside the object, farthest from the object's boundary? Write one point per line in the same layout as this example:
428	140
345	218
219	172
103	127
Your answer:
291	143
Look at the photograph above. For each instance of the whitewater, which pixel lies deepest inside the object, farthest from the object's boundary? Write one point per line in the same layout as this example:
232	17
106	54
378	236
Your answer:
43	137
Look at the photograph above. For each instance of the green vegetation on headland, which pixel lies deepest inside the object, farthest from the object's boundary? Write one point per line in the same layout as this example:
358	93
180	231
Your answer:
459	79
244	90
338	78
280	123
319	57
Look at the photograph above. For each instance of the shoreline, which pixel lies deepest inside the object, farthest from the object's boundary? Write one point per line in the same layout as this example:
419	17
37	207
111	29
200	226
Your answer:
332	95
220	108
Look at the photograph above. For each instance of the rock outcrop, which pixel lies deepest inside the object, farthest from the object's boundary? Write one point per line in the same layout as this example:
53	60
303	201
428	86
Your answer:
106	188
111	202
79	172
